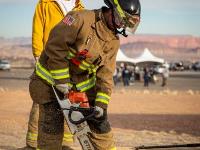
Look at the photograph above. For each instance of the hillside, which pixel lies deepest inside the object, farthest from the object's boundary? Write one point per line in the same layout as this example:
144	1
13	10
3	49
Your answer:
170	47
17	50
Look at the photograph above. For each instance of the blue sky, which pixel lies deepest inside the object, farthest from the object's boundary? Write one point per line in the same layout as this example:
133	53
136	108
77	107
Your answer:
158	17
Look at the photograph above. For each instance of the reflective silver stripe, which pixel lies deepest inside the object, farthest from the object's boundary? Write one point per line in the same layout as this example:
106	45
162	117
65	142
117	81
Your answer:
103	98
42	72
86	85
60	73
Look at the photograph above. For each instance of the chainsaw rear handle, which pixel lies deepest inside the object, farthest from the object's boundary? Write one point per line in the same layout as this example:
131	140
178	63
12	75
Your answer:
92	112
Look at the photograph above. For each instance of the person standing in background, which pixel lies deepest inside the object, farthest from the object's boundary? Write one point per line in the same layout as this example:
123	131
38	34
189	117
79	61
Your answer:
126	75
146	77
165	75
47	14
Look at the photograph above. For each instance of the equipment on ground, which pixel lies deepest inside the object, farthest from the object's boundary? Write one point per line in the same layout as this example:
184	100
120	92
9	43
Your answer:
76	113
194	146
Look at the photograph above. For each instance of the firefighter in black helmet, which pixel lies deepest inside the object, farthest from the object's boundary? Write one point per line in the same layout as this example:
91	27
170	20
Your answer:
126	15
64	65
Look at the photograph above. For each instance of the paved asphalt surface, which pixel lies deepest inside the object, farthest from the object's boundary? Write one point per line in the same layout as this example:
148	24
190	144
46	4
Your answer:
183	81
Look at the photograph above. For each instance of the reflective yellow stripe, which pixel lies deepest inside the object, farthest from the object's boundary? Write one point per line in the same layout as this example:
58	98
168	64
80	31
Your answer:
70	55
70	85
44	74
32	136
60	73
86	85
43	69
68	138
102	97
121	12
102	101
61	76
53	74
68	135
114	148
93	70
100	94
84	65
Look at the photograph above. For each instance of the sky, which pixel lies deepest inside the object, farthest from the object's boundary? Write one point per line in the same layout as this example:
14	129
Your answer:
171	17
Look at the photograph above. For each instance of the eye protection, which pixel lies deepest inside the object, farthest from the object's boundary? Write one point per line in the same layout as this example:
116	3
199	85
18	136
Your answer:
131	22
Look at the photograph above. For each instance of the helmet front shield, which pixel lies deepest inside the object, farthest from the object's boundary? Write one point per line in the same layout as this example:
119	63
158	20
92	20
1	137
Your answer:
131	23
127	14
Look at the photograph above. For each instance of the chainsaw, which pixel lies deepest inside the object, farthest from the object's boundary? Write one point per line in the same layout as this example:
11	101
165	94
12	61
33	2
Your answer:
74	111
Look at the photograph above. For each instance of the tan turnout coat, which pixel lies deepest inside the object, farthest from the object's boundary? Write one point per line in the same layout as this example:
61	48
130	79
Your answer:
85	29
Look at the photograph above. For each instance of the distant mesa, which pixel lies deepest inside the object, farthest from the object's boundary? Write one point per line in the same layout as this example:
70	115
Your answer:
169	47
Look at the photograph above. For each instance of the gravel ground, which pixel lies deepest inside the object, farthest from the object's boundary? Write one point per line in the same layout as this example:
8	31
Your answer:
138	115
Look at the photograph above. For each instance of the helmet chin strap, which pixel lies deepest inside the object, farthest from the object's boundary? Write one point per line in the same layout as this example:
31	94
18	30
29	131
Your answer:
122	32
117	31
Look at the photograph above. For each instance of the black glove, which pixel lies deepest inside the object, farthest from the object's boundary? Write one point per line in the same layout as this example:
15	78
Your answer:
99	111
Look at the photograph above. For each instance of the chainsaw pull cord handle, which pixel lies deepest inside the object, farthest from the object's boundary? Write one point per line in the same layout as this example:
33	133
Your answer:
92	112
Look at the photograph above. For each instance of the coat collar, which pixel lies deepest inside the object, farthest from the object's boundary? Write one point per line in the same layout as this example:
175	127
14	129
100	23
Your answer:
101	28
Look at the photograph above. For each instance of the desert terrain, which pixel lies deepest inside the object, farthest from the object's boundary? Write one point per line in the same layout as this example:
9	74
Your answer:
138	115
172	48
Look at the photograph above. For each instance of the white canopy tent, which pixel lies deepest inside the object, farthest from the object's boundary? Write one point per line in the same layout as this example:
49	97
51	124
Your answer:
121	57
147	56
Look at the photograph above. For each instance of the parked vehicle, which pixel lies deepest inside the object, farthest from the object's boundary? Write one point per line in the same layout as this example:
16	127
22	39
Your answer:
177	66
160	68
196	66
4	65
187	65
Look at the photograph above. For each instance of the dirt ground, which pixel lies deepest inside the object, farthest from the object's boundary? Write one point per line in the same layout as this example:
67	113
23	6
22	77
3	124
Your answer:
138	117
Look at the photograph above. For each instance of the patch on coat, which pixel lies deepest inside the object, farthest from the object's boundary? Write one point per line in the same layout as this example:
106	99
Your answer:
68	20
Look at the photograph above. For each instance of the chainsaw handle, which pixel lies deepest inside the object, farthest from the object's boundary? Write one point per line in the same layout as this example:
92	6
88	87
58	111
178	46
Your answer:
92	112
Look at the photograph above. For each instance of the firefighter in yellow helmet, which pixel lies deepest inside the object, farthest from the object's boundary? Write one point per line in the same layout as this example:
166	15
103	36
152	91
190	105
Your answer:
47	14
80	55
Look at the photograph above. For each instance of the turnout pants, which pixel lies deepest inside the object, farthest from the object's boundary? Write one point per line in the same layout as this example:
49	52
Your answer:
32	133
51	121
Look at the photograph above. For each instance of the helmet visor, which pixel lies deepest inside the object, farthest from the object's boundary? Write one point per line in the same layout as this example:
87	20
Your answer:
131	22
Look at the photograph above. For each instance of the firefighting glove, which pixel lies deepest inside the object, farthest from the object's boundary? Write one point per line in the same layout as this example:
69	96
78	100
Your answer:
64	88
99	111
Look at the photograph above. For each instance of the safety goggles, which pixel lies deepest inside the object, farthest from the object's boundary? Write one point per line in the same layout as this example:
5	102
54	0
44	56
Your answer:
128	22
131	22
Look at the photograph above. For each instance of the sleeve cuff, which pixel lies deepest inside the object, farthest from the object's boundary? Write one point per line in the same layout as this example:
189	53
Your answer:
102	100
